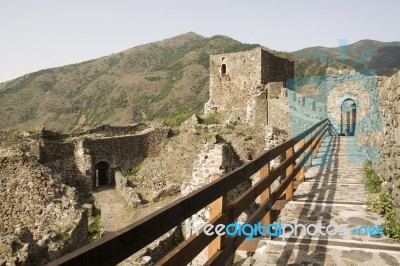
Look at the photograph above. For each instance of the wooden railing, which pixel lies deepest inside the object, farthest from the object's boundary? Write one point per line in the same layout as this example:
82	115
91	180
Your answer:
117	246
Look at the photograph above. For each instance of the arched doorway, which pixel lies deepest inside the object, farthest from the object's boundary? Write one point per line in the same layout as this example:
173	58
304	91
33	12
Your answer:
102	174
348	117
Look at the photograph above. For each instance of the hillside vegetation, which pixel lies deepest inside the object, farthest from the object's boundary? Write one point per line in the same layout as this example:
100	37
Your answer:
165	80
381	57
156	80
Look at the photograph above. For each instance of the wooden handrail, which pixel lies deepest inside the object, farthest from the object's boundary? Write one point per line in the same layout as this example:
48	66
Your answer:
119	245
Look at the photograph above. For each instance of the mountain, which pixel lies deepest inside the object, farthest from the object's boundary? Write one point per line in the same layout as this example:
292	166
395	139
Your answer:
157	80
162	80
381	57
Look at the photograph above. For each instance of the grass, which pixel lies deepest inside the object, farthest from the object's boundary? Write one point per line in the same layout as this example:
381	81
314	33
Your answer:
207	136
62	237
381	202
134	169
177	120
94	226
211	119
177	179
230	126
372	180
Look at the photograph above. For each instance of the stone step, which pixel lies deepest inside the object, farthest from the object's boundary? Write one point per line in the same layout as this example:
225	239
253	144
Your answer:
323	190
333	194
349	219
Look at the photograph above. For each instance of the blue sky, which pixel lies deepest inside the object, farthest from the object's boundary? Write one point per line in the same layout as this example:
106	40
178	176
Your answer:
40	34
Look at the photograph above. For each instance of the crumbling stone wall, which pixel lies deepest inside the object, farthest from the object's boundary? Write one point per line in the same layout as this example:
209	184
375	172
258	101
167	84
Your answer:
216	157
103	130
107	130
75	160
70	161
121	184
41	218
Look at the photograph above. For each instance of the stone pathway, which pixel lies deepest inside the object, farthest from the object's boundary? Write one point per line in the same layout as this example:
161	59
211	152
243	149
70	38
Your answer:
115	212
333	193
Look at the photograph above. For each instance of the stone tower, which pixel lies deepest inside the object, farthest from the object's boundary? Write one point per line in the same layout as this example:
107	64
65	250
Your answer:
239	84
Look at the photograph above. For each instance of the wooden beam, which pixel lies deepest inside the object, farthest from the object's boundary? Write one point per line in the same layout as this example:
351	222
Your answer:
121	244
264	173
216	208
289	171
301	174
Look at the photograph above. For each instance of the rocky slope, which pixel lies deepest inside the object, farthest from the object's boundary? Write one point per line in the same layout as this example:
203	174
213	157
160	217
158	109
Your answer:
41	218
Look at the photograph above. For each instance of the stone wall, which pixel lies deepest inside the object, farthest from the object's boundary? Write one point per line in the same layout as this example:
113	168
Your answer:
108	130
240	94
125	151
216	157
69	160
274	68
104	130
121	184
75	160
232	89
41	218
384	145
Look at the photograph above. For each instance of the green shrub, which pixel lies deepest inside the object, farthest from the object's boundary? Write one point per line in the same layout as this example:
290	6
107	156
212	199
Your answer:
62	236
177	120
29	114
133	170
382	203
230	126
153	78
211	119
385	203
207	136
94	228
372	180
391	226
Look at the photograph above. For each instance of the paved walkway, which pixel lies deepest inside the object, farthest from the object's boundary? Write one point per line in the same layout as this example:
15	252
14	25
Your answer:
333	193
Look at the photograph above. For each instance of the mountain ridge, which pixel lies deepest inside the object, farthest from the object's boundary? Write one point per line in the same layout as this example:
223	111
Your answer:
166	80
363	54
156	80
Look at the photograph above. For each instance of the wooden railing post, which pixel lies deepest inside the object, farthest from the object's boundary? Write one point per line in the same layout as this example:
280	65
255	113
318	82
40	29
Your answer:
314	144
217	207
289	170
300	176
264	172
308	151
137	235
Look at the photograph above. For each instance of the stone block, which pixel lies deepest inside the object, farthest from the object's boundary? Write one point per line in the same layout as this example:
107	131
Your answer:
397	118
397	134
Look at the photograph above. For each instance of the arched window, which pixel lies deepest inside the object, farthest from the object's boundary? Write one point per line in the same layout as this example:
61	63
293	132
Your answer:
223	69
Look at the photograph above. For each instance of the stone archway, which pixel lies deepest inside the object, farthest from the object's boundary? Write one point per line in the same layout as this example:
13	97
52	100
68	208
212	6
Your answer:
348	118
102	174
342	92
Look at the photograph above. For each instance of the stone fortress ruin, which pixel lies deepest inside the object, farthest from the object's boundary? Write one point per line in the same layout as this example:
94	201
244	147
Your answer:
259	103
